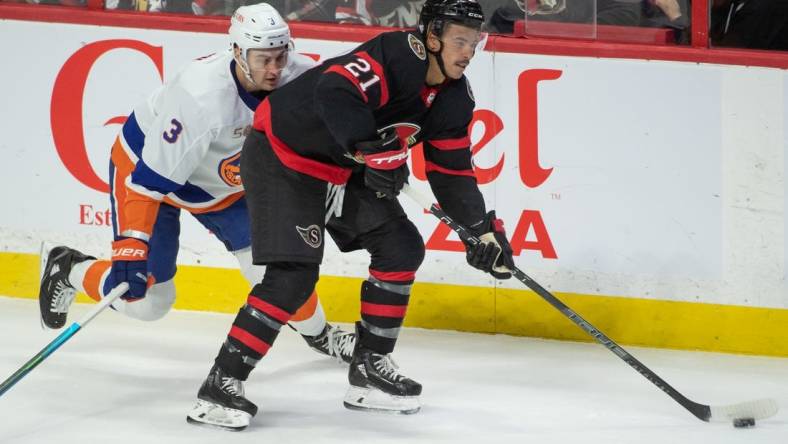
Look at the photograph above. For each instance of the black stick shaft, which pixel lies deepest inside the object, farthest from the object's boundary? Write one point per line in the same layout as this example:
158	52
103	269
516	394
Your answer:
701	411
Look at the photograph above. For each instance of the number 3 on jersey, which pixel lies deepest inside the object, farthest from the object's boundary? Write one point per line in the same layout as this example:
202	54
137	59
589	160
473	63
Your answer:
171	136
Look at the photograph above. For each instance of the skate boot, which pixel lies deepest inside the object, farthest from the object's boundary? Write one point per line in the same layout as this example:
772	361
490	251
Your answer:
333	341
377	385
56	293
221	403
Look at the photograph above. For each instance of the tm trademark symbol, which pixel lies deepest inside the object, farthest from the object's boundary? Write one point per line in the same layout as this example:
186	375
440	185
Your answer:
555	196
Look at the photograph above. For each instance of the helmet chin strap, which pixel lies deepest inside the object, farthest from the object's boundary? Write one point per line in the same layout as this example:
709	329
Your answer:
245	68
439	58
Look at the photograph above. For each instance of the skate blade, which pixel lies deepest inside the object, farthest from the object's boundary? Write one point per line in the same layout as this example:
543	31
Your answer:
373	400
208	414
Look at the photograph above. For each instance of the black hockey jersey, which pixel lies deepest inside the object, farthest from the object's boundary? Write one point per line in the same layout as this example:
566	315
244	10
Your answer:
314	122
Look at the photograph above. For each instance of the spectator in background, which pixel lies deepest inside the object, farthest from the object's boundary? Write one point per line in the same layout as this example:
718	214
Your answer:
752	24
310	10
391	13
398	13
608	12
355	12
668	14
48	2
197	7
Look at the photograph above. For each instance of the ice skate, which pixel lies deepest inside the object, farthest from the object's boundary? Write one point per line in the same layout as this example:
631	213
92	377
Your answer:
377	385
221	403
333	341
56	293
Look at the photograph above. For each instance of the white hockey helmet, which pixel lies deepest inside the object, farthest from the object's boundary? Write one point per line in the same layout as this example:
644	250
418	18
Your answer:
258	27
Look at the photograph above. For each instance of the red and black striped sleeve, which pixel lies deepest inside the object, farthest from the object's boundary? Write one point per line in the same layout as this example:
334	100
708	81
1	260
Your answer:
448	157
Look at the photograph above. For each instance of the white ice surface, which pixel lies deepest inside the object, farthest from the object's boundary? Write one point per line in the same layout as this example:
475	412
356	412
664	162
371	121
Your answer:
124	381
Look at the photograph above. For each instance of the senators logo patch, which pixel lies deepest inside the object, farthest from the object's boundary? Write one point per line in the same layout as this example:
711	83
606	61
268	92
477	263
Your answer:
311	235
417	46
230	170
406	131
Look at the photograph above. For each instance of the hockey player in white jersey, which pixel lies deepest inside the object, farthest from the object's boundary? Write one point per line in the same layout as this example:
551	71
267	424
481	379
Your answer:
180	150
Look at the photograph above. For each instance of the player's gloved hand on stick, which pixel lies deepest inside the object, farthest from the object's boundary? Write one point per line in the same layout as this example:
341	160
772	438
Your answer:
130	264
386	168
494	254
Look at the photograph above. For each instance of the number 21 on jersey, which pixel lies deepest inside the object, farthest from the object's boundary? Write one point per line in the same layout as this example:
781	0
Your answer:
361	68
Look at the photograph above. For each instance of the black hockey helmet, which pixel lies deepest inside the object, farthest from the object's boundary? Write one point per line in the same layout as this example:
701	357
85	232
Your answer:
465	12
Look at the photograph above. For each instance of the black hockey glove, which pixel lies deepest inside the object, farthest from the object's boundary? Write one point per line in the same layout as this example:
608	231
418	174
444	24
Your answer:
386	164
494	254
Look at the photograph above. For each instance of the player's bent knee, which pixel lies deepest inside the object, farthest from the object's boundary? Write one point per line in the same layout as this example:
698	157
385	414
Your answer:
413	248
158	301
288	284
400	237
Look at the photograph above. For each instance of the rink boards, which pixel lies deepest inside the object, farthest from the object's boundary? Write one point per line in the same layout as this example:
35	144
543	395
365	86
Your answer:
649	195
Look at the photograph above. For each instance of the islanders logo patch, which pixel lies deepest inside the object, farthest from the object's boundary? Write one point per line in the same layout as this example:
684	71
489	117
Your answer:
230	170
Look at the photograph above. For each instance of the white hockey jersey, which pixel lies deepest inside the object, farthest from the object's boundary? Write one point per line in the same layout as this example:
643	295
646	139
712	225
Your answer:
185	140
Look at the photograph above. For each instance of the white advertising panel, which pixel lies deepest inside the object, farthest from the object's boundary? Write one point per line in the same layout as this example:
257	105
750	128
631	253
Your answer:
613	177
785	188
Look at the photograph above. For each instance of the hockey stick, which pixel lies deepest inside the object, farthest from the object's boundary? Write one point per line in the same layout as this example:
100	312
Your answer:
758	409
63	337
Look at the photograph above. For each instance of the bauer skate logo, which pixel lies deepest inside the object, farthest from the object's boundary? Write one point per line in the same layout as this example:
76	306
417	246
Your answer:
311	235
230	170
417	47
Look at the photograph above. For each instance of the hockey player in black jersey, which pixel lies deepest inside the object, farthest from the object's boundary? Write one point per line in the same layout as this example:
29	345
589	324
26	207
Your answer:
328	152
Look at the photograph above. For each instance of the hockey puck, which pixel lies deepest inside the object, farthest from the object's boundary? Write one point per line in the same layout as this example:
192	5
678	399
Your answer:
743	422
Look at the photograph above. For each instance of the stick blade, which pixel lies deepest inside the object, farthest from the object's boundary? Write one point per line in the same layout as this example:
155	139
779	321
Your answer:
758	409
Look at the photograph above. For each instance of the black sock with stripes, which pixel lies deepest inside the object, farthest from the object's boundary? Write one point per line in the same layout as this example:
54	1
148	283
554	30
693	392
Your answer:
254	331
383	308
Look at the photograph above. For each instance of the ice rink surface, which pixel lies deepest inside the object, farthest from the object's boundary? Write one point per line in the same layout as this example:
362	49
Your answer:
125	381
